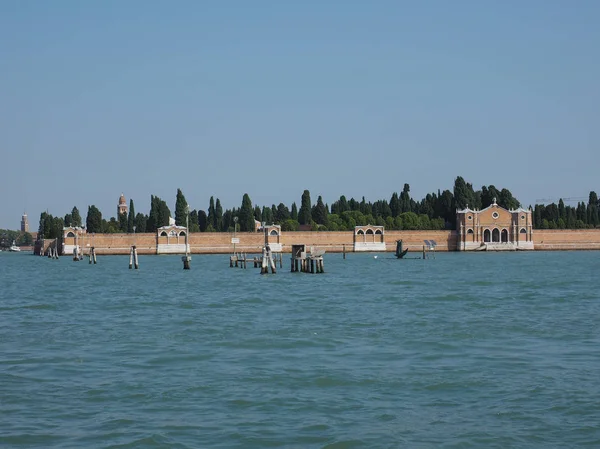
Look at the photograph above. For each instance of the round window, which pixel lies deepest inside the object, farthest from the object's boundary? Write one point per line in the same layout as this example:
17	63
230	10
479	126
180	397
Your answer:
470	217
522	217
495	215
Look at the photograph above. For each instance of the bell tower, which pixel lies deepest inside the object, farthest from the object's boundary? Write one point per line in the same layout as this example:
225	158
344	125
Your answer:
122	207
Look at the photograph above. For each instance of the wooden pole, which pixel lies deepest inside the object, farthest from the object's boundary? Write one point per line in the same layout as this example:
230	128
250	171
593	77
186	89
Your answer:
344	251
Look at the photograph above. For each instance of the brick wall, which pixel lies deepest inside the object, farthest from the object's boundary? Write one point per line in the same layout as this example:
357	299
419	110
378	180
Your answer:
218	242
565	239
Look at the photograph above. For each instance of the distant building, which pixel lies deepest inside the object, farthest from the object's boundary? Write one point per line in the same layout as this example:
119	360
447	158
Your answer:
494	228
369	238
24	223
122	207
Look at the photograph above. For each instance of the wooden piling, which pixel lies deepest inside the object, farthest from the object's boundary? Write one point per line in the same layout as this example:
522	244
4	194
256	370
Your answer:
344	251
133	258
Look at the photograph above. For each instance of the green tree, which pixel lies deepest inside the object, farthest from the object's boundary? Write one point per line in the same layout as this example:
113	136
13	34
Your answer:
319	212
405	200
305	215
218	216
131	217
140	222
181	208
202	221
257	213
122	226
267	215
76	217
246	216
212	219
592	210
93	221
194	227
294	212
463	194
282	213
507	201
395	205
68	220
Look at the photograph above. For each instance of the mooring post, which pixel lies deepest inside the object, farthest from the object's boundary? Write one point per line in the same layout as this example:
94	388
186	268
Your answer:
264	268
187	259
424	252
94	251
344	251
135	258
131	258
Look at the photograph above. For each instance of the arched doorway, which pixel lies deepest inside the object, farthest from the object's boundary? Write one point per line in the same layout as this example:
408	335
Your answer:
371	236
496	235
486	235
504	236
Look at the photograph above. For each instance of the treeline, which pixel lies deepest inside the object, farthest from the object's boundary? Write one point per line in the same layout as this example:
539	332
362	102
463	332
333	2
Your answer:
7	237
559	216
434	212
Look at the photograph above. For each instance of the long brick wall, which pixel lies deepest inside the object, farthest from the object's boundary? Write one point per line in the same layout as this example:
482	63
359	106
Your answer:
218	242
566	239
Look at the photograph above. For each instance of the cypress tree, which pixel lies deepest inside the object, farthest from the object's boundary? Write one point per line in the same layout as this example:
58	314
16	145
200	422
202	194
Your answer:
246	215
305	215
211	214
131	217
93	221
218	225
202	220
267	215
257	213
123	222
294	212
75	217
180	209
319	214
405	204
395	205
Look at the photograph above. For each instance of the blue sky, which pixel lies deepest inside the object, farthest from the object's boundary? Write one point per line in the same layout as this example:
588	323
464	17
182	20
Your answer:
273	97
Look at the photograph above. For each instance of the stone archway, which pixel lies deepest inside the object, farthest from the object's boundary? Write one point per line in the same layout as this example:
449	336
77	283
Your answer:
504	236
487	236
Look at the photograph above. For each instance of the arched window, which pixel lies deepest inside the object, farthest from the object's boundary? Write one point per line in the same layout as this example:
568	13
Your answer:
504	236
182	234
273	232
163	234
360	231
469	231
496	235
522	231
70	234
486	235
378	232
369	231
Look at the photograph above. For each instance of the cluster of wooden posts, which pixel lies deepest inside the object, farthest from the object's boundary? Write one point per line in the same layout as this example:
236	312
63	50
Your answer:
241	260
53	252
307	262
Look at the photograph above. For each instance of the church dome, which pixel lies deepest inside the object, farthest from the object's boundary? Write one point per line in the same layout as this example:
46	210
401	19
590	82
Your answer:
122	199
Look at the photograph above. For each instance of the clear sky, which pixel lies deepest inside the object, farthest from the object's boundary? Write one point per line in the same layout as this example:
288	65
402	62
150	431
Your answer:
274	97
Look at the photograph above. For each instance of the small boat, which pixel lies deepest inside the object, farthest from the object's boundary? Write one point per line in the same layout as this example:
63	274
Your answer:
14	248
400	252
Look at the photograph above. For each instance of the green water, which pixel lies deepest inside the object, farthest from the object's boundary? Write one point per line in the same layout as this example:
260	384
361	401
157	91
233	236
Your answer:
464	351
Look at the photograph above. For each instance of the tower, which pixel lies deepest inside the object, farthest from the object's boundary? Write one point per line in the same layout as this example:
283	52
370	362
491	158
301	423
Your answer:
24	223
122	207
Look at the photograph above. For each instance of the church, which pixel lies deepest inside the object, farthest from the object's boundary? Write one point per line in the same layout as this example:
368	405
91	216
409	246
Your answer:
494	229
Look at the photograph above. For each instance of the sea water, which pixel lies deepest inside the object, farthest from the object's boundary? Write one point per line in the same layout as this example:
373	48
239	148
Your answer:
486	350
